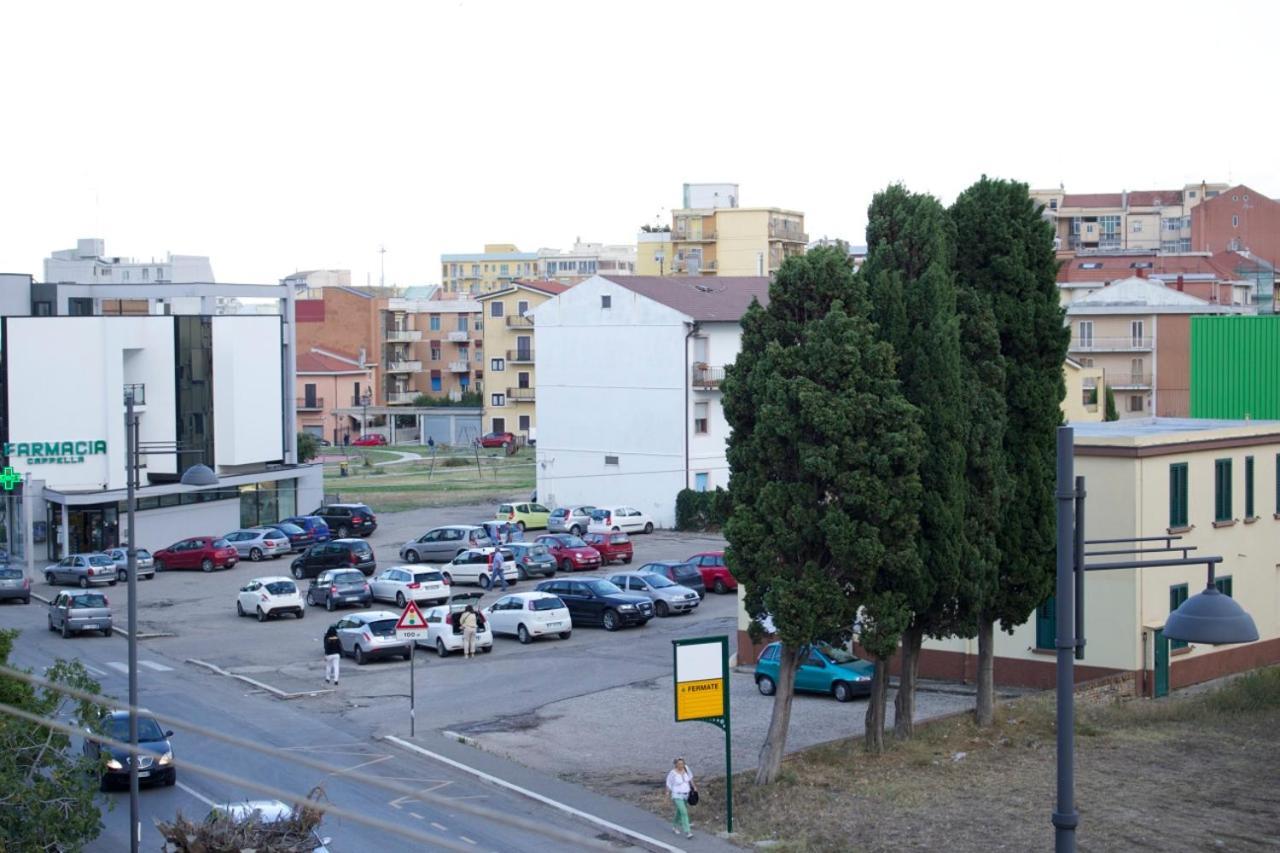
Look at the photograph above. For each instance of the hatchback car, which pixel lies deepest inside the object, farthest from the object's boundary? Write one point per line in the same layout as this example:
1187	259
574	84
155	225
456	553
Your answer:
345	520
532	559
528	615
373	439
667	596
569	519
685	574
444	634
83	570
313	524
496	439
403	584
611	546
199	552
715	574
474	566
371	636
120	556
14	585
259	542
619	518
526	516
335	554
334	588
441	544
268	597
155	765
73	612
823	669
299	538
571	553
592	601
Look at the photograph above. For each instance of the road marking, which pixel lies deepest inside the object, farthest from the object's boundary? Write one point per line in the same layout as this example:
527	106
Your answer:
118	666
158	667
533	795
440	826
468	840
362	764
93	669
199	796
418	816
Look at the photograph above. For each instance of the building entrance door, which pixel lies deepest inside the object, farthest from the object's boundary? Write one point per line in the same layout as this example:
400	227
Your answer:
1161	687
92	528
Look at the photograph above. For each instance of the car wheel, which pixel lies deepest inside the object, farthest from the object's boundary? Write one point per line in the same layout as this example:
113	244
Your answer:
566	565
48	578
719	587
239	609
522	634
361	660
262	616
66	631
26	600
400	602
408	655
661	609
842	691
206	565
648	527
122	576
521	574
626	561
448	578
344	532
487	649
172	779
610	621
486	582
766	685
575	530
107	632
440	648
297	572
255	554
84	583
51	628
411	556
617	530
328	604
564	635
520	525
159	565
300	613
113	583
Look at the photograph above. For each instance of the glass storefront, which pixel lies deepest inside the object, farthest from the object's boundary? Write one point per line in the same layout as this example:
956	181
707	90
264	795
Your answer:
267	503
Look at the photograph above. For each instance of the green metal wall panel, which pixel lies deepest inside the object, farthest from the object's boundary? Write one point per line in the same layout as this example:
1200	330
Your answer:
1235	367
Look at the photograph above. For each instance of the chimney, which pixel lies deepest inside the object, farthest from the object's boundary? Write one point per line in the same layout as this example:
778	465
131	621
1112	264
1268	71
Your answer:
1179	284
1142	273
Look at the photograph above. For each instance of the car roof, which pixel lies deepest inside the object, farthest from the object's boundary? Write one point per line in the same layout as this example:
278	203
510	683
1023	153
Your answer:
124	712
350	506
536	593
375	615
272	579
665	563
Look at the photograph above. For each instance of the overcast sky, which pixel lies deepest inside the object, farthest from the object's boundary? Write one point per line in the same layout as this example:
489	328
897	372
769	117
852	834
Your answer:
276	136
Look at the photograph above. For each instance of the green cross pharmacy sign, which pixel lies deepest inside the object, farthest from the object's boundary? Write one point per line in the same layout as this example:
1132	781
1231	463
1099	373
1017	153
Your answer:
9	478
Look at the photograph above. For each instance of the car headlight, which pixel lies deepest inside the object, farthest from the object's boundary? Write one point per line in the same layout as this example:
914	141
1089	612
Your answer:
626	607
165	759
112	764
864	678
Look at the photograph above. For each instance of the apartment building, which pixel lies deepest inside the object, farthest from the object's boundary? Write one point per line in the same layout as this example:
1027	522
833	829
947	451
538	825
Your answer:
510	393
481	272
89	264
1085	399
1142	219
1231	278
329	382
585	260
1239	219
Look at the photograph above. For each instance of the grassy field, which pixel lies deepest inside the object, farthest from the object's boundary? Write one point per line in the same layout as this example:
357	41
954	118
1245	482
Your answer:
1189	772
454	477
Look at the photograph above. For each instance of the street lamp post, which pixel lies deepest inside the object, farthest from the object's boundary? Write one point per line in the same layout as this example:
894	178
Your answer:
365	399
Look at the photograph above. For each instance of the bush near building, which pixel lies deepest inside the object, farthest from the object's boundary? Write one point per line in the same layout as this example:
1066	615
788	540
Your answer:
702	510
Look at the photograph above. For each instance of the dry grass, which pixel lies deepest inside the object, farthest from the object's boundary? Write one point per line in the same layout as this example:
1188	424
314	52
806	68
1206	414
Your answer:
1185	773
453	480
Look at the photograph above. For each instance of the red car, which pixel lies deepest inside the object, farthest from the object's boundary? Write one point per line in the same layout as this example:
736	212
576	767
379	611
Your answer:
570	552
373	439
496	439
715	575
199	552
612	546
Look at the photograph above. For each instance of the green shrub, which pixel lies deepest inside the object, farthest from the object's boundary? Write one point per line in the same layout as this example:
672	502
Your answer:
702	510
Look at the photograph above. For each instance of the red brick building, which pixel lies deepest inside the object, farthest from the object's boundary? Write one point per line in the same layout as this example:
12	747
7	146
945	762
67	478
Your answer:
1238	219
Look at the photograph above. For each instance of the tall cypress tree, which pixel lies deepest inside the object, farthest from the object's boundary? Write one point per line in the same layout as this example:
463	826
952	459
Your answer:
1004	250
913	301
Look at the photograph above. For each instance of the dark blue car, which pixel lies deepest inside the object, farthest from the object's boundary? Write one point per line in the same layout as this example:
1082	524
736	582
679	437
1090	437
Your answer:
313	524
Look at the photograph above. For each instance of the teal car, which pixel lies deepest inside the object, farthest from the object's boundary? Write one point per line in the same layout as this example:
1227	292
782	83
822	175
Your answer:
823	669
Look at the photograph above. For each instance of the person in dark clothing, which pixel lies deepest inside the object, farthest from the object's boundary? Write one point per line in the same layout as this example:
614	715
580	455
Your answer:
332	655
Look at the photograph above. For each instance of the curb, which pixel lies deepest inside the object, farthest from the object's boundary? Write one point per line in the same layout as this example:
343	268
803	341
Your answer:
274	691
651	843
114	628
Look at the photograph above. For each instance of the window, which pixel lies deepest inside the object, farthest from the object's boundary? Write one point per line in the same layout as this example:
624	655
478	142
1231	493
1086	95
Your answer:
1091	265
606	301
522	308
1178	494
462	322
1235	221
495	309
1222	490
1136	329
1047	624
1135	371
1053	204
435	322
43	309
1140	265
524	423
497	364
1248	487
1135	227
1223	585
1177	595
700	481
700	418
1137	403
522	379
499	424
436	384
1085	333
435	353
611	460
497	399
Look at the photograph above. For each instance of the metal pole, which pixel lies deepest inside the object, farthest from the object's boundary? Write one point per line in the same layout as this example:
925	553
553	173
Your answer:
728	742
131	472
413	660
1065	816
1078	567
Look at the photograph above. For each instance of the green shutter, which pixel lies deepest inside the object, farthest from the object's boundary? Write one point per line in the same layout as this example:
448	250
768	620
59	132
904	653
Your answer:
1224	585
1047	624
1248	487
1178	494
1177	595
1222	490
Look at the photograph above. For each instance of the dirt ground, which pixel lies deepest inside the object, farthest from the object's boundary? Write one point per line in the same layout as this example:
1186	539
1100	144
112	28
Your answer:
1190	772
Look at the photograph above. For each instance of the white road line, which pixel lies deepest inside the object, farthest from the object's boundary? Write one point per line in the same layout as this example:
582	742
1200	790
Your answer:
118	666
199	796
468	840
347	770
158	667
440	826
418	816
93	669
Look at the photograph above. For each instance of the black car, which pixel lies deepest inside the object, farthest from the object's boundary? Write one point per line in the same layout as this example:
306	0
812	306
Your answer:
348	519
336	554
299	538
592	601
678	571
334	588
156	766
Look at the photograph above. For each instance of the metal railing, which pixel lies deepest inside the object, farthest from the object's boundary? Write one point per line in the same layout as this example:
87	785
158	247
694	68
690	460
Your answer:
403	366
460	367
138	391
1130	380
788	234
312	403
402	336
458	337
396	398
707	377
1096	344
686	237
515	320
520	355
520	395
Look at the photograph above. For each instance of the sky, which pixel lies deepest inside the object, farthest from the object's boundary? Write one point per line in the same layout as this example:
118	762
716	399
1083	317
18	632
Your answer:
277	136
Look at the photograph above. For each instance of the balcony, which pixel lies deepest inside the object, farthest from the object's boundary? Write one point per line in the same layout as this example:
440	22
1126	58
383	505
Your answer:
458	337
1122	344
314	404
403	367
138	393
685	237
707	378
708	266
401	398
518	322
520	356
459	367
1131	382
787	235
402	336
520	395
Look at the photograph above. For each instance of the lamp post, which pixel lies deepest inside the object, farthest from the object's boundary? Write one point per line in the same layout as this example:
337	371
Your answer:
1209	618
365	399
196	475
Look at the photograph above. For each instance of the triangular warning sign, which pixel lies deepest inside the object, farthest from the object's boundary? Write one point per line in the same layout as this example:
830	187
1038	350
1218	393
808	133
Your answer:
411	619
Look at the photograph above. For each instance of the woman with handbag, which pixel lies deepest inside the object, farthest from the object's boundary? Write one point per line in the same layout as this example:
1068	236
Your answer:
683	793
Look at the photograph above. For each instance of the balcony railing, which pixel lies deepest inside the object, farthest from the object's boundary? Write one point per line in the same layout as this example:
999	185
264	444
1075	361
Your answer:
309	405
1120	344
400	398
459	337
402	336
460	367
138	392
788	235
520	395
516	321
686	237
520	356
708	266
707	378
403	366
1130	381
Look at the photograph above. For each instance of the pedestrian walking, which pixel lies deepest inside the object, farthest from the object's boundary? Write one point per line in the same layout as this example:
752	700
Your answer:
431	442
679	784
468	622
498	578
332	655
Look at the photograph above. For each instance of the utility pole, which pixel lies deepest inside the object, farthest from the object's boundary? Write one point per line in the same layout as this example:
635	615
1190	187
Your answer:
382	266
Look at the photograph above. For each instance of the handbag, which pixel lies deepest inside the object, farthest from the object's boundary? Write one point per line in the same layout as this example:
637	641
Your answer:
693	796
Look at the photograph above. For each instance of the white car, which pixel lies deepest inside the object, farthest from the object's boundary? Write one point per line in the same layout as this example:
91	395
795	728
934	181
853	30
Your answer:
443	632
526	615
409	583
627	519
269	597
473	566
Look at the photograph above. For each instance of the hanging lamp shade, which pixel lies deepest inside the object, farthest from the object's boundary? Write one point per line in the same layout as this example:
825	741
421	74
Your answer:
199	475
1211	618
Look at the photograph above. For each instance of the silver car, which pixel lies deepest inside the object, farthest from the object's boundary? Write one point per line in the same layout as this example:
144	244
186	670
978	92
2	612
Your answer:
120	556
73	612
14	584
255	543
667	596
442	544
371	635
84	570
569	519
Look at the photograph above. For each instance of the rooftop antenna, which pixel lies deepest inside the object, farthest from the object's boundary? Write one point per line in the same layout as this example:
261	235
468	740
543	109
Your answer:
382	266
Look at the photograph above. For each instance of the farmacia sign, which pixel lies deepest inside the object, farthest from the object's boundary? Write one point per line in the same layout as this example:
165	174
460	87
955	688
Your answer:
54	452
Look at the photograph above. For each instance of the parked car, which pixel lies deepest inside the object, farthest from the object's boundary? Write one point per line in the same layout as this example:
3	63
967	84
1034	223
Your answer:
336	588
313	524
84	570
267	597
335	554
403	584
619	518
667	596
592	601
266	812
528	615
823	669
685	574
526	516
345	520
444	634
532	558
715	574
569	519
441	544
73	612
372	439
120	556
199	552
610	546
571	553
299	538
155	765
259	542
496	439
472	566
371	635
14	585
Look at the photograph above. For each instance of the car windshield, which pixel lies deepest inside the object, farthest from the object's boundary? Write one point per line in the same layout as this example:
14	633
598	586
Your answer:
427	577
10	574
836	655
658	581
361	550
599	514
291	529
118	728
505	508
545	603
143	554
100	560
348	577
600	587
281	588
619	538
220	543
687	571
572	542
89	599
559	513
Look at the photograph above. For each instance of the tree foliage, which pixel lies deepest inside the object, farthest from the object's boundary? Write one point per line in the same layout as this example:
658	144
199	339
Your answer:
308	447
1110	412
47	792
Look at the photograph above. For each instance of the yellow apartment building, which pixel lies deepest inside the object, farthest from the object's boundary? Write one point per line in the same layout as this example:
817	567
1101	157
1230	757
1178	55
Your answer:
483	272
1086	393
510	396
